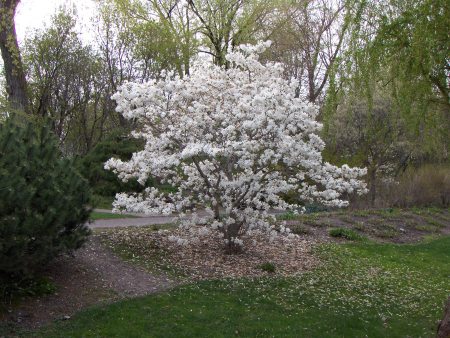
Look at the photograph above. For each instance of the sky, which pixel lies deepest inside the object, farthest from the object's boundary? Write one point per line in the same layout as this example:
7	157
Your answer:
34	14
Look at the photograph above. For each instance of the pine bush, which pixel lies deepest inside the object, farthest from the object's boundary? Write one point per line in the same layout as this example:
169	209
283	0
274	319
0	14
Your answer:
43	201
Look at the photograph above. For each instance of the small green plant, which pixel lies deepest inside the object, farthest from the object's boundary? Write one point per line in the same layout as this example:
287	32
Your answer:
267	267
360	226
427	228
39	287
288	216
300	229
433	222
361	213
386	233
27	287
349	234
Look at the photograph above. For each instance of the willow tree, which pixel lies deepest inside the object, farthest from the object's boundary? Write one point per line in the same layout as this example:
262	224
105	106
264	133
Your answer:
387	104
403	47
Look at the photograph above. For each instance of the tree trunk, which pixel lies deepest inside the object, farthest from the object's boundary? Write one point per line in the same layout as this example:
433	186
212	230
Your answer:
372	185
16	85
444	326
232	232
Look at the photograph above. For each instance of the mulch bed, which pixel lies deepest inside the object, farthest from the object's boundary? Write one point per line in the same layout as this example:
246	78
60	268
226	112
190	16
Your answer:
207	259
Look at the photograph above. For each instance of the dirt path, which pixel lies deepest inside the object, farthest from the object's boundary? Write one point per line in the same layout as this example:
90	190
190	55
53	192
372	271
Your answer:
94	276
125	279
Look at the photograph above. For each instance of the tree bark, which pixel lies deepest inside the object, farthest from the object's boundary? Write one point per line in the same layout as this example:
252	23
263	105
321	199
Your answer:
444	326
16	85
372	185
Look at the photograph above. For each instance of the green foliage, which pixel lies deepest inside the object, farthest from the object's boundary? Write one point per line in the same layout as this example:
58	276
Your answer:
104	182
267	267
287	216
400	49
154	34
345	233
43	201
313	208
28	287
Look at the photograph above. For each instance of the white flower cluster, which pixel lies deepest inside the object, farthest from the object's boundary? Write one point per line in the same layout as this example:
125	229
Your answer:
232	140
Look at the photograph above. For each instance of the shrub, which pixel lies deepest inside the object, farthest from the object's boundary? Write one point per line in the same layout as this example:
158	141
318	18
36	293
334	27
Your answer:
349	234
234	140
267	267
426	186
43	201
300	229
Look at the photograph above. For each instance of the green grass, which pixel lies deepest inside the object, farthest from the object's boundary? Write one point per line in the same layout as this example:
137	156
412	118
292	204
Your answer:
102	202
288	216
106	215
360	289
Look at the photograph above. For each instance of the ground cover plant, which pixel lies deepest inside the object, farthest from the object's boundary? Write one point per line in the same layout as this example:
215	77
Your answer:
392	224
346	234
360	289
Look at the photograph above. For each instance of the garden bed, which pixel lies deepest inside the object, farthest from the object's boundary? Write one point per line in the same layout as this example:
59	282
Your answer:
207	258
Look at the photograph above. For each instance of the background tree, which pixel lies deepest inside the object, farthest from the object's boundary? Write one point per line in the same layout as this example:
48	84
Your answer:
393	55
371	135
16	85
402	47
68	85
309	40
227	24
164	39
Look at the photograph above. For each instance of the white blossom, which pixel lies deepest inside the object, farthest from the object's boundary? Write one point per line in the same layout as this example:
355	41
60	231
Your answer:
233	140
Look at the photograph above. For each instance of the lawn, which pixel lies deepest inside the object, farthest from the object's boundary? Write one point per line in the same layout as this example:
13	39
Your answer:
360	289
106	215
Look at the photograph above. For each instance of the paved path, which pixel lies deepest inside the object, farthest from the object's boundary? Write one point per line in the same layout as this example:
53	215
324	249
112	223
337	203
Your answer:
126	222
139	220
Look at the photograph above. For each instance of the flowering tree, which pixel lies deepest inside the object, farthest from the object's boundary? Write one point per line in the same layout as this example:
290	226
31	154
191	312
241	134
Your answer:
232	140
